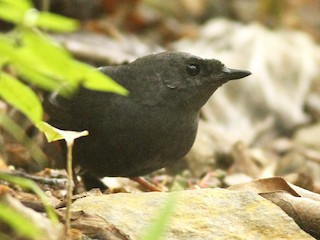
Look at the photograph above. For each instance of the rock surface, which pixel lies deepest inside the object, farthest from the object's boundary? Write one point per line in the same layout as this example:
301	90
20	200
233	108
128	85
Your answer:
198	214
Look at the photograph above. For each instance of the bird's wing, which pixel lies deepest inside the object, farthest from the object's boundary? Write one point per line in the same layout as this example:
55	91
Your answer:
59	110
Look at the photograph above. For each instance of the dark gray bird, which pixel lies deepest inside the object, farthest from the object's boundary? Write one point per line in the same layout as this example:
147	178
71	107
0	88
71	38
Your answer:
152	127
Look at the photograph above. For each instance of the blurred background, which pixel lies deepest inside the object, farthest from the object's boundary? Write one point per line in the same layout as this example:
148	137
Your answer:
261	126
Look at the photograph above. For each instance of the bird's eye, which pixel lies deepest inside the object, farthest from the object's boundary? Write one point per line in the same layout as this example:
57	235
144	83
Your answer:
193	69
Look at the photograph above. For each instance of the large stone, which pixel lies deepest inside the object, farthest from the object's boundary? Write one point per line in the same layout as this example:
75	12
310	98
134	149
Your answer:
197	214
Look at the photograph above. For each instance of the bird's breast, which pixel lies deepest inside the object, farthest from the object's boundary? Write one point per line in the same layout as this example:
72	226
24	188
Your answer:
142	142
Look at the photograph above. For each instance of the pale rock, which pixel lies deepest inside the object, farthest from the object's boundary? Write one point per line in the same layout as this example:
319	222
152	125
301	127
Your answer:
198	214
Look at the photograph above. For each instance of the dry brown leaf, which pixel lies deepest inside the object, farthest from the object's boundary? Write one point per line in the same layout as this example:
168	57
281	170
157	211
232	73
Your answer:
265	185
304	211
300	204
305	193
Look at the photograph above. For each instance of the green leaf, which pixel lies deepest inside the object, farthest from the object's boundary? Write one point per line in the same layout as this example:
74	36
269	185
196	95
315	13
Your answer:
19	223
55	134
18	4
10	14
14	11
55	22
51	58
96	80
34	67
48	65
21	97
22	12
49	131
61	65
29	184
25	63
37	78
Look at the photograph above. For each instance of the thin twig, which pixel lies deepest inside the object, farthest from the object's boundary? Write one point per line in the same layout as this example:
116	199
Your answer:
70	185
50	181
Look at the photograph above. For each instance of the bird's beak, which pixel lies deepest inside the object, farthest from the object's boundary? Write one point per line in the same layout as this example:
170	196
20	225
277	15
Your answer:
232	74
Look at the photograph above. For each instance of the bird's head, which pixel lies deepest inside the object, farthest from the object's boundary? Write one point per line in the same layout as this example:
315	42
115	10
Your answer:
177	79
